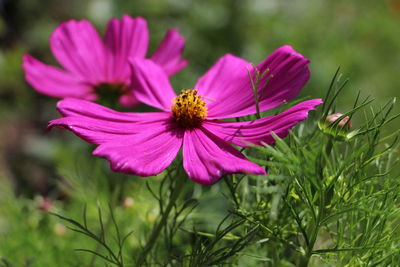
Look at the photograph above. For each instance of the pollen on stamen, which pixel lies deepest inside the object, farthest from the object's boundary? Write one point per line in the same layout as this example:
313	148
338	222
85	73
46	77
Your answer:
189	109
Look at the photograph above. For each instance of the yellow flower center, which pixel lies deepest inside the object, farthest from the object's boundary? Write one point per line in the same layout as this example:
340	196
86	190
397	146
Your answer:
189	109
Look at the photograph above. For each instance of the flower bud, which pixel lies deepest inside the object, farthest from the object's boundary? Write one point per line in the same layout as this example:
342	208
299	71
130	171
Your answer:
337	127
330	119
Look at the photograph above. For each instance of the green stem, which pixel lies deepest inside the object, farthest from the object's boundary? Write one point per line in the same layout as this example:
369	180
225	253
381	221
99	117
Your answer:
329	146
115	195
158	227
313	238
321	209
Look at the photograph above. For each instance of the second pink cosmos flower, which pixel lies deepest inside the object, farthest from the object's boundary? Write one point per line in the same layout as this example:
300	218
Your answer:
92	65
145	144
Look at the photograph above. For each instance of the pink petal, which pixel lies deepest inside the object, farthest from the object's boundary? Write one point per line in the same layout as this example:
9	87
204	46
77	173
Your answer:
79	49
125	38
145	154
227	84
78	107
142	144
169	53
255	132
206	158
98	124
54	82
151	84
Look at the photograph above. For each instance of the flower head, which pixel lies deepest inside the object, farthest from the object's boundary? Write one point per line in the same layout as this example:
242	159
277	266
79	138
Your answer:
145	144
94	67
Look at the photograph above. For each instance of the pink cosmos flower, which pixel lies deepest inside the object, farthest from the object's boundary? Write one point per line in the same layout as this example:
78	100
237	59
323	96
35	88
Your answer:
144	144
93	66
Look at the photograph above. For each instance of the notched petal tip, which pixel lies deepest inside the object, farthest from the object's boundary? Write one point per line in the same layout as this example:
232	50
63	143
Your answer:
290	50
175	31
58	123
176	36
53	81
207	158
144	153
169	53
127	17
231	58
312	103
318	101
26	58
65	25
221	174
27	63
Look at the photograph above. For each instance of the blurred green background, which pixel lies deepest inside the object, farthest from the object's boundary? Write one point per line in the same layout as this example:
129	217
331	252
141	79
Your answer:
360	36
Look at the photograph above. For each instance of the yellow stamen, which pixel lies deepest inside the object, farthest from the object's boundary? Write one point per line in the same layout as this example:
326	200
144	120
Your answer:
189	109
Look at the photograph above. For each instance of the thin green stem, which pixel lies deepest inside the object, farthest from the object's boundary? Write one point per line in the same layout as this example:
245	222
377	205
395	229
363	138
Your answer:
313	238
115	195
161	224
314	229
